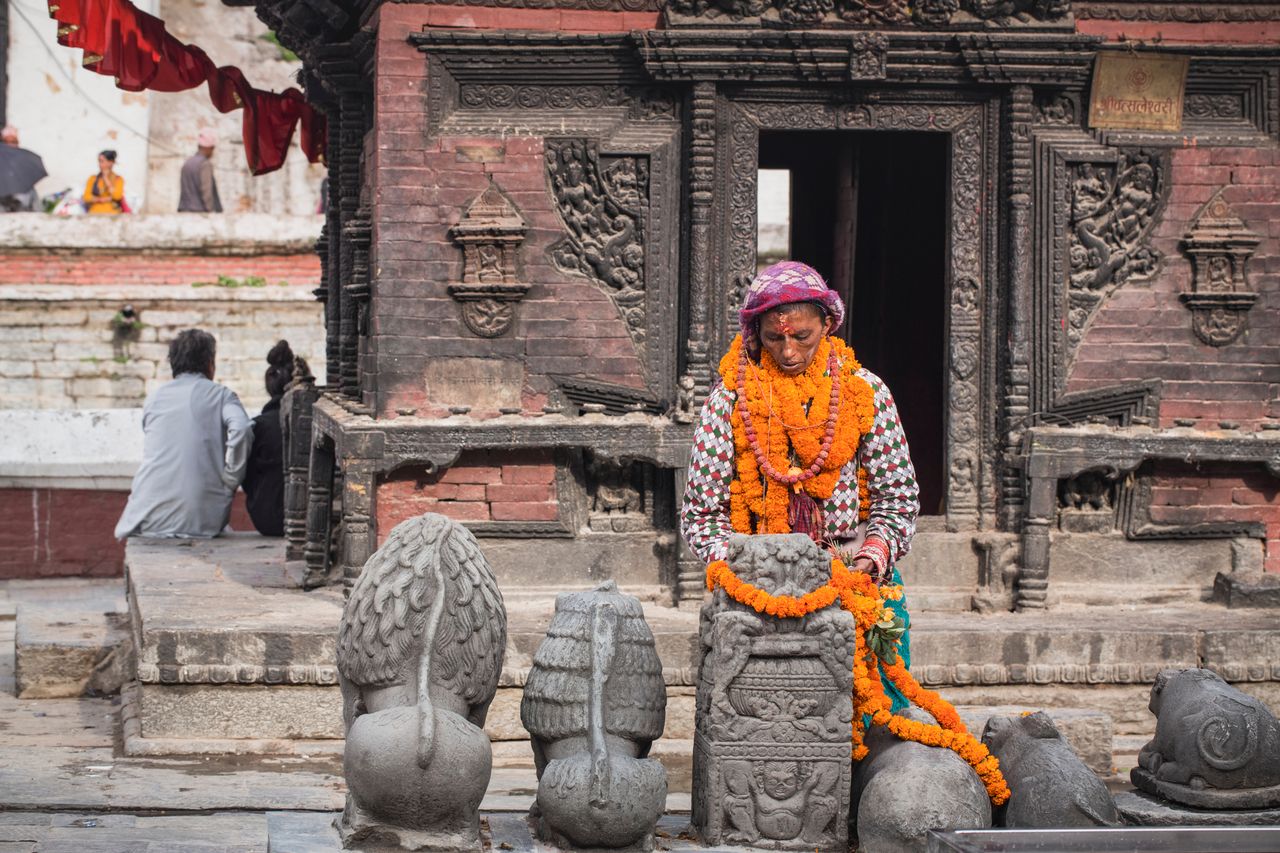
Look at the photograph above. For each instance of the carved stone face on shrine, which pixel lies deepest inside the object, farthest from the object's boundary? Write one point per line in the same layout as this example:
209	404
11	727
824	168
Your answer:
781	780
791	333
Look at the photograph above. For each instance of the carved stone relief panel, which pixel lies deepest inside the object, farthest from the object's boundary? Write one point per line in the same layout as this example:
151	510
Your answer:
641	103
1112	209
967	126
1219	245
603	203
1058	108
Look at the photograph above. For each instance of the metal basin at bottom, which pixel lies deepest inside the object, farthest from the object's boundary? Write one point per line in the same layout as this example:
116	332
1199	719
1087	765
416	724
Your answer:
1165	839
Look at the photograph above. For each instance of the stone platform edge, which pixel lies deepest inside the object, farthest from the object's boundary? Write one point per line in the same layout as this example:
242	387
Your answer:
959	675
318	675
135	745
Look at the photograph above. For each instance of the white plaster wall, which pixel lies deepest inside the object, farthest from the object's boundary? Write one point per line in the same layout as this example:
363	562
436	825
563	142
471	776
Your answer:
189	232
75	450
67	114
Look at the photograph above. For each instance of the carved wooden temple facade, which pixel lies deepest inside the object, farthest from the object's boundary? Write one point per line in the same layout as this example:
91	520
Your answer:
544	212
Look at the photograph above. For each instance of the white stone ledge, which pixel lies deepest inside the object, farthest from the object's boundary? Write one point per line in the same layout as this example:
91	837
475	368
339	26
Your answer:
154	292
179	233
89	449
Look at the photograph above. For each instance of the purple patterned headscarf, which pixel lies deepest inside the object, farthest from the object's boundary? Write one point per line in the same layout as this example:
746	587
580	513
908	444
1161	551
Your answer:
780	284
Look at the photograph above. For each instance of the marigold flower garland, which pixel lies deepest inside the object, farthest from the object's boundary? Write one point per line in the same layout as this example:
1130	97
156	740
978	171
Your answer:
859	595
824	438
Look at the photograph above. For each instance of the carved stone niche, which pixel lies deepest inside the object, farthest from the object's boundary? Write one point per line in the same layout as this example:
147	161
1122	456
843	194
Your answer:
489	234
1086	502
619	495
1219	245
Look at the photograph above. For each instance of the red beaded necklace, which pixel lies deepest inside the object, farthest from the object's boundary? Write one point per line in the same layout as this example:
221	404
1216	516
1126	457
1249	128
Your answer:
828	437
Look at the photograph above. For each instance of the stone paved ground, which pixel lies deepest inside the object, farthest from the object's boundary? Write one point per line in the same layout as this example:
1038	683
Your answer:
66	787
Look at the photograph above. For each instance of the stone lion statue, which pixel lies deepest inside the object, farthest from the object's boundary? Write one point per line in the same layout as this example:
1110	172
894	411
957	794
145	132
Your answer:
420	650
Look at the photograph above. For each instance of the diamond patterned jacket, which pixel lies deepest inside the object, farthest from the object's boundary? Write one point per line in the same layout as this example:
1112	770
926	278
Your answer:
891	480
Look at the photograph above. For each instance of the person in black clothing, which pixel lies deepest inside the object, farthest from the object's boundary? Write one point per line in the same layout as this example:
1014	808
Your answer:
264	480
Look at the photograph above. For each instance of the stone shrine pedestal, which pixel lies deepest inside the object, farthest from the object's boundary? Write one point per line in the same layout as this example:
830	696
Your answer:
771	758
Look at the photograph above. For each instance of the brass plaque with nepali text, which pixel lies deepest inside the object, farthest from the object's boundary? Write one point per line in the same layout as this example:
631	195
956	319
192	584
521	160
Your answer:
1137	91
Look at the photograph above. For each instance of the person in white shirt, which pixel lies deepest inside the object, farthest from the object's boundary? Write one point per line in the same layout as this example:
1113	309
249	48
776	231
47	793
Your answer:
196	443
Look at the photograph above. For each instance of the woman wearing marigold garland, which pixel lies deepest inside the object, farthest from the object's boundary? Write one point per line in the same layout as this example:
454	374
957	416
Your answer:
800	438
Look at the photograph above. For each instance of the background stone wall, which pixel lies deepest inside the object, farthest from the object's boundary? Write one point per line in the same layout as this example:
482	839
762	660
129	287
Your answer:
62	283
58	349
71	387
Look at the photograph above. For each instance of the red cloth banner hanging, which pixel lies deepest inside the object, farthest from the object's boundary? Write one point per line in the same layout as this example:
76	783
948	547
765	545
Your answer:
121	41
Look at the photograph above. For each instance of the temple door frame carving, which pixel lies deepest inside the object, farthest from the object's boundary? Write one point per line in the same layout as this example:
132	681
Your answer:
972	277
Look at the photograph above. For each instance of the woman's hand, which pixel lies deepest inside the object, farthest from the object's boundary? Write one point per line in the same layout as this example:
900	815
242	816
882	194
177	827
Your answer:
863	564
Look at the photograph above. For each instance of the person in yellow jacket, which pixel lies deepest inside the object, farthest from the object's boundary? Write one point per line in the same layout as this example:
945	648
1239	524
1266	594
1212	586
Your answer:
104	192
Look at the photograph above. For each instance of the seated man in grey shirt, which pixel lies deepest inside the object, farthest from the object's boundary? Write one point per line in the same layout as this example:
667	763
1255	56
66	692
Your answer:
196	442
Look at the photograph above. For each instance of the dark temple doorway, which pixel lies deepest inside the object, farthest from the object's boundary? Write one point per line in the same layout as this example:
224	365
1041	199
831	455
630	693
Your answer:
868	209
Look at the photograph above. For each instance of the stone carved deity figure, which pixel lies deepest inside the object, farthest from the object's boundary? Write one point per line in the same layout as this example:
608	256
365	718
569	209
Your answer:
420	649
1219	275
1215	747
594	703
771	749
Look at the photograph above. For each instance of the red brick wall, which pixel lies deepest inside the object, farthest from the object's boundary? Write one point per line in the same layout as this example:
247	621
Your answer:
483	486
566	324
1143	331
96	268
69	532
59	532
1183	495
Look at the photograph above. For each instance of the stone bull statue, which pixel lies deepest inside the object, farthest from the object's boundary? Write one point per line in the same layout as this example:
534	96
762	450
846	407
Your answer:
1215	746
1051	786
419	653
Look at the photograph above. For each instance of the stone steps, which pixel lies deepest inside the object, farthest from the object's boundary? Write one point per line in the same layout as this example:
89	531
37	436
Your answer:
71	639
234	656
1100	658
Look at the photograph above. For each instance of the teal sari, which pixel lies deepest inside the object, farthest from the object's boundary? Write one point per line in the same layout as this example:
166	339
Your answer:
900	702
